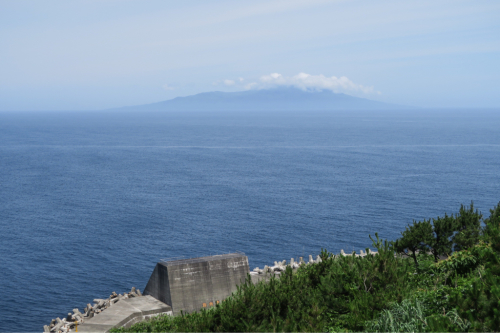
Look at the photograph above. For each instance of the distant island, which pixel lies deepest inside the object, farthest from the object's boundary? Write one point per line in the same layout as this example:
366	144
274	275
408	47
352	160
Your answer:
280	99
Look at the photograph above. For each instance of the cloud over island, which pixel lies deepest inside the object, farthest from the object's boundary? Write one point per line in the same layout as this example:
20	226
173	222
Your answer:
304	81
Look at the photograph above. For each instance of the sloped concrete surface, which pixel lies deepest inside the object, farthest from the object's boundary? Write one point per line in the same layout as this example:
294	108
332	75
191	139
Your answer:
125	313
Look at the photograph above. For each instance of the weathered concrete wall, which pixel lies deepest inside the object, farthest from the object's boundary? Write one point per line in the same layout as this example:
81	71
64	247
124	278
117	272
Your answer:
158	285
193	284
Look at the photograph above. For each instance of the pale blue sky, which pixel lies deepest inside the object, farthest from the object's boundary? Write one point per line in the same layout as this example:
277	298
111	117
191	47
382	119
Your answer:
96	54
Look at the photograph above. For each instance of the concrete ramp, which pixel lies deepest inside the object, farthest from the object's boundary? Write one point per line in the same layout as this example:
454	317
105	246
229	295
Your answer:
125	313
193	284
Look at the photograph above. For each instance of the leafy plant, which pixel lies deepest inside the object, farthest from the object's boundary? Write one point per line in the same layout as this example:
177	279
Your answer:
468	227
494	218
443	229
415	238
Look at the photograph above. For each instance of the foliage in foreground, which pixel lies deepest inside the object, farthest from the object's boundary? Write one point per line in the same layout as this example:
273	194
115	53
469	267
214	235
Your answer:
380	292
410	316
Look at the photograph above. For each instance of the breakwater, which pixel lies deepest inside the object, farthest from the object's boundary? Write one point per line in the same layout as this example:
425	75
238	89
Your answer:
179	285
72	320
280	266
264	274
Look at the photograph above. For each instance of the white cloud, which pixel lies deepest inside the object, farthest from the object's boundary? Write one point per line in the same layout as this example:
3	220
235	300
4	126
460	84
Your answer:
251	85
302	81
306	81
167	87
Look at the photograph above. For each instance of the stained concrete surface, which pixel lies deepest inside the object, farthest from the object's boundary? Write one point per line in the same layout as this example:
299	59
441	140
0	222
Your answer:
192	284
125	313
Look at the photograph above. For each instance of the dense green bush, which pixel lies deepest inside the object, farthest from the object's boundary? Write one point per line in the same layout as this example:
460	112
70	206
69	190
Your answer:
442	235
383	292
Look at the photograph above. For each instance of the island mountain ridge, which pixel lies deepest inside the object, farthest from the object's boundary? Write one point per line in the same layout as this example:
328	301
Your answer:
278	99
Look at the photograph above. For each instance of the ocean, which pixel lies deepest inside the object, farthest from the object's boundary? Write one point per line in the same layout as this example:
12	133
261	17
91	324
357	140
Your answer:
90	201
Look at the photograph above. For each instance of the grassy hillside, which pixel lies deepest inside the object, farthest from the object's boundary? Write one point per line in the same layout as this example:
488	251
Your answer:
413	291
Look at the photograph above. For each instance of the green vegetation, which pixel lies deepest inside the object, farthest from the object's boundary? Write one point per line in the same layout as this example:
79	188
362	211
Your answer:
411	291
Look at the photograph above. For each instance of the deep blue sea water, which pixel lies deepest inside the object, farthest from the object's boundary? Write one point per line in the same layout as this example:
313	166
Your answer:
90	201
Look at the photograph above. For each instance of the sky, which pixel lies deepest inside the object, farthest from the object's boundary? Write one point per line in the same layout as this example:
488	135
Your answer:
99	54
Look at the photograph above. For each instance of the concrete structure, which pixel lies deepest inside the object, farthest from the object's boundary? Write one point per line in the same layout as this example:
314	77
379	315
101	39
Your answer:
125	313
192	284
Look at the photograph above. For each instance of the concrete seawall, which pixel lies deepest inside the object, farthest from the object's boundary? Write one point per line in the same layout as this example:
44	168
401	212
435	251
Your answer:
193	284
176	286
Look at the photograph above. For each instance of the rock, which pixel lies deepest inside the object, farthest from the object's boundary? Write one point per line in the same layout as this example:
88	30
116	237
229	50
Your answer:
132	290
293	264
58	325
283	263
46	329
138	292
257	270
77	313
113	295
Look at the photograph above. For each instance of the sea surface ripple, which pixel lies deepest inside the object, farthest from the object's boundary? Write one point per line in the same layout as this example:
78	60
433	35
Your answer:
90	201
